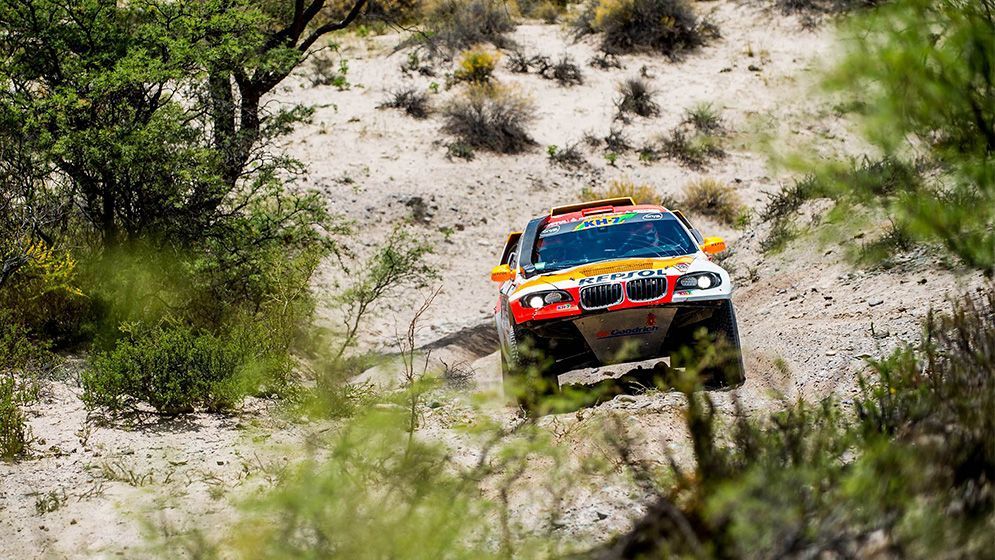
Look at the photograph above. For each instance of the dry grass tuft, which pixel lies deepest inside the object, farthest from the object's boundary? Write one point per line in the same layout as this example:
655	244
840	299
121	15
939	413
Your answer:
714	198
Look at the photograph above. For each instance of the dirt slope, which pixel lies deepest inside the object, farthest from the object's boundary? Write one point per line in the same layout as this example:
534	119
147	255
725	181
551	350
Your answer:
807	317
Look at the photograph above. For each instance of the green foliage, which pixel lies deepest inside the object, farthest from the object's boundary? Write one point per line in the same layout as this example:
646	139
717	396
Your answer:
691	147
333	508
668	27
399	262
476	65
42	285
13	426
174	369
327	71
915	476
862	181
22	362
491	117
925	71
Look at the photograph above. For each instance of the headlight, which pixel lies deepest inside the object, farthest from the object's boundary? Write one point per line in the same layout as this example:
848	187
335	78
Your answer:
699	281
542	299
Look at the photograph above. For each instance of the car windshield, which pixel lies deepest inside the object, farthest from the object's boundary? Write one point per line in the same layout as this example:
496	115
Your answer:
611	236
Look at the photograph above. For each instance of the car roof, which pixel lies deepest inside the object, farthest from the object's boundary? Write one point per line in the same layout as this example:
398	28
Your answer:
596	208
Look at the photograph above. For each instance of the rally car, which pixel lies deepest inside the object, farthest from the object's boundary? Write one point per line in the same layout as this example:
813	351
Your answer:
609	282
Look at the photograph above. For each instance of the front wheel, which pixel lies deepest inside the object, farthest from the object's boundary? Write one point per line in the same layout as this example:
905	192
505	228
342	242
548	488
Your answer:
724	367
526	372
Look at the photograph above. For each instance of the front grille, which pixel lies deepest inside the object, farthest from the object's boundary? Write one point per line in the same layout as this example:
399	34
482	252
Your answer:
646	289
602	295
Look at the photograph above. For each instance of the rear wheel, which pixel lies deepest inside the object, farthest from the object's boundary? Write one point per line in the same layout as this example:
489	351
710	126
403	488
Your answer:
724	368
527	374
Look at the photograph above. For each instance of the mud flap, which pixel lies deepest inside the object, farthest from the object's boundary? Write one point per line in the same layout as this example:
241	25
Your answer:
625	336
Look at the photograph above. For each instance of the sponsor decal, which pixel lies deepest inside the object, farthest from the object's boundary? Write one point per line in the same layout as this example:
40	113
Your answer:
633	331
681	267
682	293
652	216
622	276
601	221
564	306
550	231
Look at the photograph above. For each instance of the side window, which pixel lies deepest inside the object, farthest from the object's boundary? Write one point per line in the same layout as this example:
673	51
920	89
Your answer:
694	231
509	255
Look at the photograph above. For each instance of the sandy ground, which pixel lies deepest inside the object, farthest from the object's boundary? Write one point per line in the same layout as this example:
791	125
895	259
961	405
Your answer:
808	318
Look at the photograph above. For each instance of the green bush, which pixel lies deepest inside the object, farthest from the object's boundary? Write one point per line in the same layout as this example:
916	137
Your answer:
22	362
476	65
175	369
909	474
924	70
13	427
668	27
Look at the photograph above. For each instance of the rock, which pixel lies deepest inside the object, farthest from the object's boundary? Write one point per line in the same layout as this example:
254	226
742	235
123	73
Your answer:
875	302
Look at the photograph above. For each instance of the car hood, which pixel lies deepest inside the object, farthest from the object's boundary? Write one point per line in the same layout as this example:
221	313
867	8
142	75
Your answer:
610	271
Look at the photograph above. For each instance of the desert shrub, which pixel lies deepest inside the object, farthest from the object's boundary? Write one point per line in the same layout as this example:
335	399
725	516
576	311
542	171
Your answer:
564	71
858	181
616	141
714	198
41	288
704	118
922	68
669	27
492	118
23	361
917	482
691	149
636	97
476	65
519	62
326	70
456	25
547	12
568	156
175	369
389	11
639	193
410	100
605	61
14	435
824	6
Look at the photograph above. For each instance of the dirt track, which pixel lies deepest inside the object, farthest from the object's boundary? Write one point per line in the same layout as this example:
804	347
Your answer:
807	317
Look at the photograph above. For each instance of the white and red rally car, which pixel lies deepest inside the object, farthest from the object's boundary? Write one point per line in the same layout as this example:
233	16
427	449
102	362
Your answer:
609	282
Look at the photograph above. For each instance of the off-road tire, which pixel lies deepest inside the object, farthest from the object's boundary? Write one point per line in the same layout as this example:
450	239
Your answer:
526	381
723	326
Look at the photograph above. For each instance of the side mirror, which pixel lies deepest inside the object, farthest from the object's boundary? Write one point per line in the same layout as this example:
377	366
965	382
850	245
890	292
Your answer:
502	273
713	245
